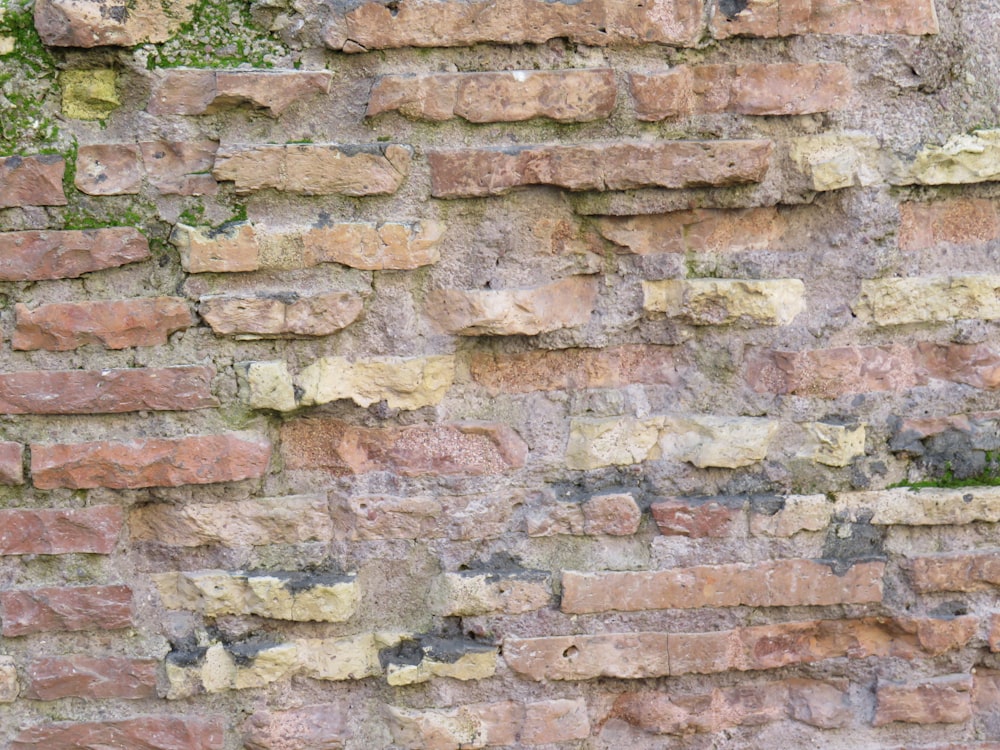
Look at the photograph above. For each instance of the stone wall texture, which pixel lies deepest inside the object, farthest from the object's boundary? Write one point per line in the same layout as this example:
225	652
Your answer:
452	374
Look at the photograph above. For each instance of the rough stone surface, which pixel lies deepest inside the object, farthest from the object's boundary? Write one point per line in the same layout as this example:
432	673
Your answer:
9	685
410	383
792	17
704	518
891	302
962	159
37	255
143	733
89	94
32	181
11	463
957	221
84	23
940	700
701	230
724	301
198	91
266	317
322	726
836	162
472	593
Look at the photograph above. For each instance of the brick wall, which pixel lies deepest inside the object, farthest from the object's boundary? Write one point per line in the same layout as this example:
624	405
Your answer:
468	373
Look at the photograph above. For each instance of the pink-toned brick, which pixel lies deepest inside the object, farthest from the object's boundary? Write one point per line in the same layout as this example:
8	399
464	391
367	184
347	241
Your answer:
57	532
143	733
956	221
936	700
32	181
57	609
11	463
91	677
698	519
35	255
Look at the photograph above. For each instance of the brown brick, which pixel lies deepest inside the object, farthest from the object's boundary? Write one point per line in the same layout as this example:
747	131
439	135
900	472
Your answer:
116	325
317	727
32	181
143	733
63	23
956	571
58	532
766	18
48	254
977	365
94	678
564	95
149	463
957	221
780	583
109	169
700	230
180	167
316	315
458	24
343	449
697	518
315	169
71	608
466	173
11	463
936	700
747	89
611	514
993	636
574	369
585	657
196	91
107	391
940	635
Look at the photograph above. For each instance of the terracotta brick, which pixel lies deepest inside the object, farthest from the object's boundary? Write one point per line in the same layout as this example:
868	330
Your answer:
180	91
342	449
55	609
957	221
585	657
936	700
467	173
35	255
938	635
94	678
11	463
109	169
993	636
611	514
149	463
765	18
780	583
575	369
143	733
697	518
977	365
317	727
180	167
63	23
700	230
563	95
57	532
62	326
315	315
32	181
107	391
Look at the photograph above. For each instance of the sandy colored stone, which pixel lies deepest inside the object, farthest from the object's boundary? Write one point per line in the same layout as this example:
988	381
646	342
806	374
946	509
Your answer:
837	161
9	685
700	230
611	514
586	657
928	299
230	248
316	727
965	158
479	662
264	316
93	530
89	94
937	700
906	506
767	18
11	463
186	91
566	303
616	441
35	255
57	609
468	173
389	246
471	593
349	658
955	221
310	169
268	385
32	181
509	96
711	441
402	383
90	677
725	301
797	513
109	169
220	670
142	733
96	23
62	326
832	444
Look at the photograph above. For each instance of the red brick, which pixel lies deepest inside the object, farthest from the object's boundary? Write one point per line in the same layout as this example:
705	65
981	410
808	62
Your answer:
198	91
609	166
957	221
699	230
319	727
956	571
73	24
32	181
58	532
940	635
143	733
977	365
71	608
510	96
697	519
107	391
770	18
585	657
94	678
937	700
149	463
109	169
116	325
780	583
611	514
48	254
574	369
172	167
343	449
11	463
317	315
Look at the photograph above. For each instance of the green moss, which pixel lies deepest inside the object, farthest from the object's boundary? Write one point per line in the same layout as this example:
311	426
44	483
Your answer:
27	77
988	477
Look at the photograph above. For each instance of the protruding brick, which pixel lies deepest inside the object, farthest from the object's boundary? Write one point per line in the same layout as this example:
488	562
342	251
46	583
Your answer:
149	463
49	610
936	700
62	326
315	169
342	449
700	230
509	96
350	658
957	221
697	518
469	173
181	91
318	727
264	317
144	733
561	304
766	18
92	530
91	677
36	255
480	592
726	301
32	181
11	463
78	23
963	159
928	299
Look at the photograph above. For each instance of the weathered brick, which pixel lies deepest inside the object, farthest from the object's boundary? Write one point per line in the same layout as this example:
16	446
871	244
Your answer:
35	255
57	532
172	167
585	657
779	583
109	169
62	326
726	301
149	462
509	96
349	658
315	169
469	173
956	571
765	18
182	91
574	369
479	592
699	230
56	609
32	181
457	24
75	23
10	687
95	678
927	299
566	303
254	317
936	700
746	89
143	733
11	463
285	520
107	391
979	427
459	448
977	365
234	666
612	513
317	727
697	518
993	634
956	221
963	159
832	444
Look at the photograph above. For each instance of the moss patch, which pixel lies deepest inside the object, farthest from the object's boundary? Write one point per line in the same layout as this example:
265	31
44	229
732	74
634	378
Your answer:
27	77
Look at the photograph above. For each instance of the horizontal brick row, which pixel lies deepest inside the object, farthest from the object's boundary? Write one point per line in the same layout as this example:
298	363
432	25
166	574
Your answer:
143	733
32	181
171	167
36	255
53	609
185	91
